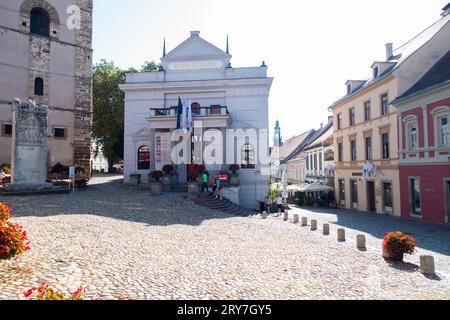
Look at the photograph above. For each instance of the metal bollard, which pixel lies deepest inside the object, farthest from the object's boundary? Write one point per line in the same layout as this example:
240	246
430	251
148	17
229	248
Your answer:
427	265
304	222
361	242
341	235
326	229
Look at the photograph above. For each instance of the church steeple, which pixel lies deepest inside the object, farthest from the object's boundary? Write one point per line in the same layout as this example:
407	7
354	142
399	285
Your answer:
164	48
277	139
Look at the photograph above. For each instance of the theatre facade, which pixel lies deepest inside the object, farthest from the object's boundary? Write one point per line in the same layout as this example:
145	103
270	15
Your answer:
229	108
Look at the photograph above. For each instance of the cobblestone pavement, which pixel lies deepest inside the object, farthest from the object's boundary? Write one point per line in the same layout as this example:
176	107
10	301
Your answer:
120	241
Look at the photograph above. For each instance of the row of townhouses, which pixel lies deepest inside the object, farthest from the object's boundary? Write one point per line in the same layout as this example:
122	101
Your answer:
387	147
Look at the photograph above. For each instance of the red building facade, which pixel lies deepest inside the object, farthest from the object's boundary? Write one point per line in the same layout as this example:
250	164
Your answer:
424	143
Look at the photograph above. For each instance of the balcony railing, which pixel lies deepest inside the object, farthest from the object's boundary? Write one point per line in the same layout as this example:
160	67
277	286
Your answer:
196	112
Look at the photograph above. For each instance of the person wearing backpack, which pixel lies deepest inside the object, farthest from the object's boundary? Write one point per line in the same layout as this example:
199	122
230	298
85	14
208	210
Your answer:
214	185
205	182
218	189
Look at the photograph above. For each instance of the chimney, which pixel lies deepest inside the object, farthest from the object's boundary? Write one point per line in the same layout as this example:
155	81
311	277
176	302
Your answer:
446	10
330	119
389	51
195	33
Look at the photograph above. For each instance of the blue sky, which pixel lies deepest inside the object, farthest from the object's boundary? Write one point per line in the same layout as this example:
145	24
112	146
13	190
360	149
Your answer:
311	47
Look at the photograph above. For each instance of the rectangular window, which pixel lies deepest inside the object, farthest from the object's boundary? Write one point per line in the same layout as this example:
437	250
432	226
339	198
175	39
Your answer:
320	161
340	152
367	111
315	162
412	137
385	145
354	190
444	132
307	162
341	189
369	148
384	104
352	116
353	150
339	121
59	133
416	207
387	194
6	129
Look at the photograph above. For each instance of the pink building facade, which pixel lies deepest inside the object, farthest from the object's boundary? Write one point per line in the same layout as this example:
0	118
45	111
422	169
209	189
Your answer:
424	146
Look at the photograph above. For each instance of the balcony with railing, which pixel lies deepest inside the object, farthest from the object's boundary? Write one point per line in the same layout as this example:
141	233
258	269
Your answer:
212	116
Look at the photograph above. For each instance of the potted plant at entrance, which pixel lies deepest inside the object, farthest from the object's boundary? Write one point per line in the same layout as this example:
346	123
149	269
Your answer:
396	244
156	185
234	168
167	181
193	173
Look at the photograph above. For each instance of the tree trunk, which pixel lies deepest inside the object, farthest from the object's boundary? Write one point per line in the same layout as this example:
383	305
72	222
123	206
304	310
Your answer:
110	167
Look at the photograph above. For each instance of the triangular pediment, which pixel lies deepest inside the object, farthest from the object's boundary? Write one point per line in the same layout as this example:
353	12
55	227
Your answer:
195	47
143	132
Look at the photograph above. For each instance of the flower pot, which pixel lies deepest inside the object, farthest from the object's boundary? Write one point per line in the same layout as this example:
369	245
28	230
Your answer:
387	255
193	188
166	183
234	180
174	178
155	188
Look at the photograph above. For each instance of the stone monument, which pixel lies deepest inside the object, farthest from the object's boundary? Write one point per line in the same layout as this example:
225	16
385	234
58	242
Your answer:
29	146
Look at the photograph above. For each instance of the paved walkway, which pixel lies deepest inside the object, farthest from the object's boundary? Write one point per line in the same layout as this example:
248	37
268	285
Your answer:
432	239
120	241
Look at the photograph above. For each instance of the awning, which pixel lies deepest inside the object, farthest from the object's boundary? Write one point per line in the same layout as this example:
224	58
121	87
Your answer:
296	187
315	187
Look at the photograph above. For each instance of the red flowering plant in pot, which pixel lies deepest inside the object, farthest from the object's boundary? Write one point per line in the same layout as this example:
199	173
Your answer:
234	168
13	239
168	168
397	244
157	175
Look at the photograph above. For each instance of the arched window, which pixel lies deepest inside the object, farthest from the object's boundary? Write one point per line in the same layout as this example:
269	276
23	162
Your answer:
38	87
144	158
248	157
196	109
40	22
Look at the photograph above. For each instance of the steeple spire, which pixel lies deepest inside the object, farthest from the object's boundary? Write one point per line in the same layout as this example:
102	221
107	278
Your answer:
228	46
164	48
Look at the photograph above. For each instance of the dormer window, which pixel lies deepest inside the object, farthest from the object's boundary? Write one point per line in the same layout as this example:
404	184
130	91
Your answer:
349	88
376	72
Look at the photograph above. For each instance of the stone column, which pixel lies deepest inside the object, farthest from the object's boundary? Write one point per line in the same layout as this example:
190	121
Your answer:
313	225
29	146
361	242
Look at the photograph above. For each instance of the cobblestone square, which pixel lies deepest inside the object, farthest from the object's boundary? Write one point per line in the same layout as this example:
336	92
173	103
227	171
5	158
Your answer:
121	242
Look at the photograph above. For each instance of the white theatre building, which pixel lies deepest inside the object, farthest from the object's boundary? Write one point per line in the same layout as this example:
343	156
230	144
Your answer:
223	99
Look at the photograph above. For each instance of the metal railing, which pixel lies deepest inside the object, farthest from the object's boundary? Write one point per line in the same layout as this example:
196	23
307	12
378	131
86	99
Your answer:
196	112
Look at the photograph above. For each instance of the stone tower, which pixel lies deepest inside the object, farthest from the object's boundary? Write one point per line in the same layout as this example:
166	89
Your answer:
277	139
46	57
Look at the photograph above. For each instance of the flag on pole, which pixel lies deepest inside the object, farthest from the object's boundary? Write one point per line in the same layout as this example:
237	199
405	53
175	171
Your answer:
179	111
184	116
190	124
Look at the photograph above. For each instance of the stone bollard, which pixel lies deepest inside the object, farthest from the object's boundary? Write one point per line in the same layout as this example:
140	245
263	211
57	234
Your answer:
341	235
313	225
304	222
264	215
296	218
427	265
286	216
361	242
326	229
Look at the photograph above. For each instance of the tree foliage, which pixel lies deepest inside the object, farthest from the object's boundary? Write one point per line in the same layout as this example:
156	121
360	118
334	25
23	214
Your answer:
109	102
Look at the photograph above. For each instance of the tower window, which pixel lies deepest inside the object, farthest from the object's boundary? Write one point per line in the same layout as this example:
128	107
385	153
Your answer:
38	87
40	22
